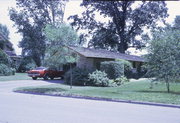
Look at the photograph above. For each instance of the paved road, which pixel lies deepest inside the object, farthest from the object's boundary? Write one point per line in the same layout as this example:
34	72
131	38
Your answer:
26	108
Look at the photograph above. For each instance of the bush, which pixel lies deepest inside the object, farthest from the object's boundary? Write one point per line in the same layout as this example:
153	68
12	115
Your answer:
26	64
99	78
121	80
127	67
5	70
112	83
79	76
5	59
114	69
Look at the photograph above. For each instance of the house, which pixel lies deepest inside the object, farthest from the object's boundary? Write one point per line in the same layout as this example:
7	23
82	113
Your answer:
91	58
7	47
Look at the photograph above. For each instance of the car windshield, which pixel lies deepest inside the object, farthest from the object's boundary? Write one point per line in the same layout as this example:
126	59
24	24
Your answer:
40	68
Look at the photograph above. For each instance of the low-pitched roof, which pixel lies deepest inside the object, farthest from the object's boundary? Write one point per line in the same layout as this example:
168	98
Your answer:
10	53
101	53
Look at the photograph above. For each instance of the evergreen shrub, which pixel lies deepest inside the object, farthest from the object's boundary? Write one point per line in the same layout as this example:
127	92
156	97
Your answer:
113	69
79	76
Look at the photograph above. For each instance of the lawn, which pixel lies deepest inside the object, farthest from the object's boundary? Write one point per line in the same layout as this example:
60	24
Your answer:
136	90
17	76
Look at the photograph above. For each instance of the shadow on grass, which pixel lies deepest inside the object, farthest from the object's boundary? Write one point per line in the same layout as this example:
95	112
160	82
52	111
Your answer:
165	92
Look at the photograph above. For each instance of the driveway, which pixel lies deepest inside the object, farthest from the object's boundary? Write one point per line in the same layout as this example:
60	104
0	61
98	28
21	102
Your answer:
27	108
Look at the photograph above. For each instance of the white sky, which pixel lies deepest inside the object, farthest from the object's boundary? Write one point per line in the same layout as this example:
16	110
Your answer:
71	8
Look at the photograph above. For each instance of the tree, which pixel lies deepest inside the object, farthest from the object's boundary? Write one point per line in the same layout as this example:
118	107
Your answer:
4	30
164	57
58	38
125	21
30	19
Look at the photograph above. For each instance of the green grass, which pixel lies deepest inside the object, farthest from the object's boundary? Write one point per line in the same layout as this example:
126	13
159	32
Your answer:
136	90
17	76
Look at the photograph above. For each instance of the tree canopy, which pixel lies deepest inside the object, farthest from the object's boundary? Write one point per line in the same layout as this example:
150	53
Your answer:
177	22
4	30
59	37
30	19
125	22
164	57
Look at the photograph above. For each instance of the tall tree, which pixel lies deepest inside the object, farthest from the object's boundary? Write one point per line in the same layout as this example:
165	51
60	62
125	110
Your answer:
30	19
125	21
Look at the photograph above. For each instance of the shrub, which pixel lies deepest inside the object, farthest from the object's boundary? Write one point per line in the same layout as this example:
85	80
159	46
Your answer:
112	83
121	80
99	78
114	69
79	76
5	70
4	59
127	67
26	64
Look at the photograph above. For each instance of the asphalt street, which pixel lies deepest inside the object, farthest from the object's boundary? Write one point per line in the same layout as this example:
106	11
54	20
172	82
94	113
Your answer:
27	108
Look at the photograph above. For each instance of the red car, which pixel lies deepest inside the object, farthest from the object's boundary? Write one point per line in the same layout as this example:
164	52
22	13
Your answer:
43	72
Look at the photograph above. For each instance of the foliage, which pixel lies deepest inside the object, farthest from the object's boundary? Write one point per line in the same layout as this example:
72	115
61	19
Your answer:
30	20
5	59
59	37
121	80
61	34
127	67
6	70
177	22
114	69
79	76
4	30
104	39
122	22
164	56
27	63
98	78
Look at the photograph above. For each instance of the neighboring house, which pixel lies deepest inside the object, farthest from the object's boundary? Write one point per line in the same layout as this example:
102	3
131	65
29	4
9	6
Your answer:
91	58
7	47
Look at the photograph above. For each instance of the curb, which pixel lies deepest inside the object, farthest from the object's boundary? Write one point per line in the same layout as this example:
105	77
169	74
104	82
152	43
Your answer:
104	99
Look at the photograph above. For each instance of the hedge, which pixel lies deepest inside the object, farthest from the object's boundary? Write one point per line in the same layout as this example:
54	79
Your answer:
114	69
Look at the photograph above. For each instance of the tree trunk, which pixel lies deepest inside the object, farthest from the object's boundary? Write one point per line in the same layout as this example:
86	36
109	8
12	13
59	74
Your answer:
168	85
121	47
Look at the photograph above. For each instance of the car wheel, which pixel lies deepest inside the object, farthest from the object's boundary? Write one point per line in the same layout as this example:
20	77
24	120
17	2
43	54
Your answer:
34	78
52	78
46	77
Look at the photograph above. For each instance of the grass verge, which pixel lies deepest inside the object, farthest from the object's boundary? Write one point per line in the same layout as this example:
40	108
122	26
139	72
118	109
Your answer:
17	76
138	90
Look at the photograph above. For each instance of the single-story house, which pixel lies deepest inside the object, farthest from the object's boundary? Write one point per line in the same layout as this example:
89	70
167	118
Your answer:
91	58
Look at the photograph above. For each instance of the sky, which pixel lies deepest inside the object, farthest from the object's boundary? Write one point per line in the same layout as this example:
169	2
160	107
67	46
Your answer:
72	7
